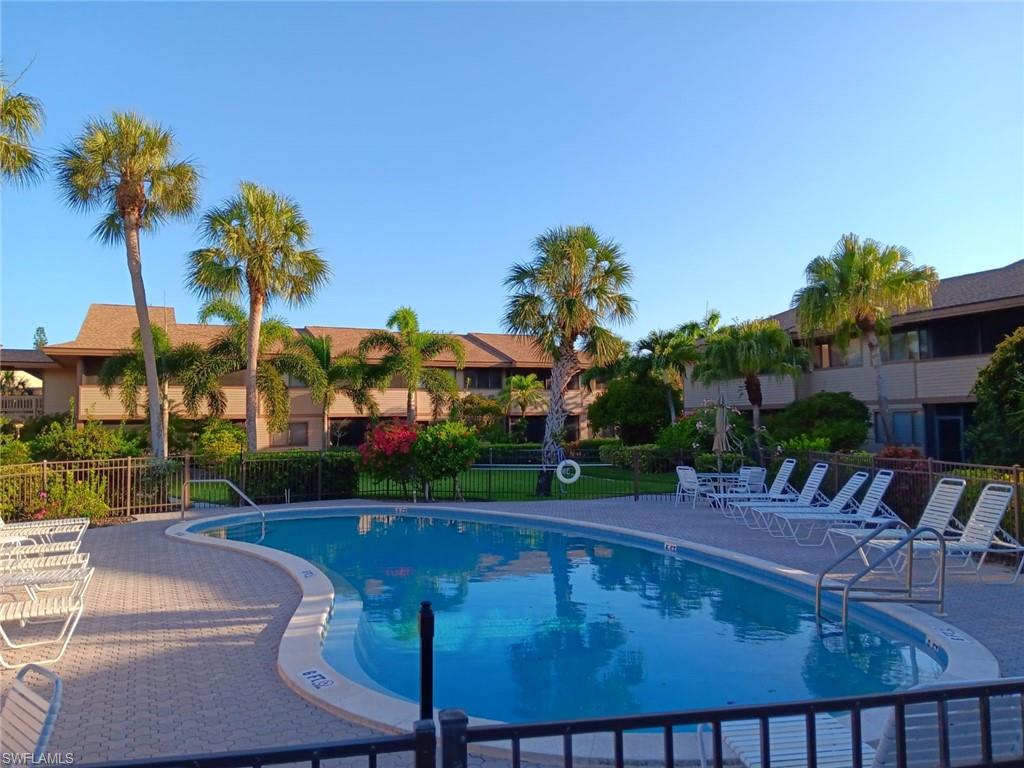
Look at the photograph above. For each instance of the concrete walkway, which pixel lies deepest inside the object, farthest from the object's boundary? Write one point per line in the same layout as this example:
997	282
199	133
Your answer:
177	650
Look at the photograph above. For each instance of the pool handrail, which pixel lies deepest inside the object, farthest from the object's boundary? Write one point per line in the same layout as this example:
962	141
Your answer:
241	494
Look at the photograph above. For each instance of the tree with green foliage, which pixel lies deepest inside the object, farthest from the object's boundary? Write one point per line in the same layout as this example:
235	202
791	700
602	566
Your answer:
256	246
854	291
444	450
484	414
996	435
66	441
522	392
406	349
127	371
348	374
21	118
229	353
564	298
126	167
219	441
836	417
665	355
39	339
633	406
748	351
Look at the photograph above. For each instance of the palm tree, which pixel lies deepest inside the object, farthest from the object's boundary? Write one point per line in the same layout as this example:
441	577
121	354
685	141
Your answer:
406	349
665	355
522	392
126	166
21	117
855	290
749	351
348	373
128	369
278	358
563	297
256	245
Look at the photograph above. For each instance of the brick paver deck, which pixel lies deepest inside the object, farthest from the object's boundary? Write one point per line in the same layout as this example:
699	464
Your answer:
177	650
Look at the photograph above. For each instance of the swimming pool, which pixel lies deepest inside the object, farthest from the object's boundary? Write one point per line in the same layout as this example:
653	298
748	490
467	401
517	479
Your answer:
542	622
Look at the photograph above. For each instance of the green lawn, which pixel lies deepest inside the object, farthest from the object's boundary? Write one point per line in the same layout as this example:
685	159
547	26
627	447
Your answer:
504	484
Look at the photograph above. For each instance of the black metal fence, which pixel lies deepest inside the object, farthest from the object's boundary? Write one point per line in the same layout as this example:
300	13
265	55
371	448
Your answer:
967	725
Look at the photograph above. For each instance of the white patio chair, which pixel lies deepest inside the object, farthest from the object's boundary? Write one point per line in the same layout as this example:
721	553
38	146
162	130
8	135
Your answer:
937	515
689	486
27	717
810	495
63	608
786	521
982	535
780	490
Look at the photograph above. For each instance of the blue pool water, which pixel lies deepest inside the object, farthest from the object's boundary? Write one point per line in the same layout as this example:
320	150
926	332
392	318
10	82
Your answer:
536	624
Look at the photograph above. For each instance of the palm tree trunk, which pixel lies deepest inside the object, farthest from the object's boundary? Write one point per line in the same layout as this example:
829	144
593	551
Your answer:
756	398
326	442
252	396
131	241
875	355
671	404
165	418
561	372
410	407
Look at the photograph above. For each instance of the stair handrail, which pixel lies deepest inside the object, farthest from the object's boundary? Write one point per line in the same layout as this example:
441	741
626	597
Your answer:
241	495
846	554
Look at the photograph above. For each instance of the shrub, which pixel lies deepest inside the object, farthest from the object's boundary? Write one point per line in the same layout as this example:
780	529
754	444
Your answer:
68	496
62	440
13	451
594	443
485	414
445	450
269	475
997	433
219	441
695	432
387	452
708	462
634	406
837	417
649	458
803	444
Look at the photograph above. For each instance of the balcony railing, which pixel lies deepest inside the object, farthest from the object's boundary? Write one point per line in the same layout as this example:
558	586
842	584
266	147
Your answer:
21	405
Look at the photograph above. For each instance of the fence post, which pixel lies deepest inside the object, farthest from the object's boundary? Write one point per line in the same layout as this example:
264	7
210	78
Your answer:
636	475
426	661
426	744
931	474
186	489
454	753
1016	501
128	486
44	475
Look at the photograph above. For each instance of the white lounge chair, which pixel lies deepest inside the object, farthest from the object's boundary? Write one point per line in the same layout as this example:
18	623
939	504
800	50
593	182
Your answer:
8	561
982	535
689	487
44	531
28	718
786	521
19	549
869	511
67	608
937	515
787	742
810	495
781	489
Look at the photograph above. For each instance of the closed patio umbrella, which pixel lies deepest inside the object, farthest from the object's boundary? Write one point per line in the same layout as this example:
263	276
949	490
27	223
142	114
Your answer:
721	442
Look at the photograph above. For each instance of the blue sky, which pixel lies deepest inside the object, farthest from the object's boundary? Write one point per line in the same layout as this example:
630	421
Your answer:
722	145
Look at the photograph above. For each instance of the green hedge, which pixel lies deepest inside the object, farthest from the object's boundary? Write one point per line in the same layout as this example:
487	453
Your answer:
269	475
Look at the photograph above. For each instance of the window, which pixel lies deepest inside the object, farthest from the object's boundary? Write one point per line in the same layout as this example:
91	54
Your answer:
905	345
574	381
955	337
829	355
907	428
483	378
297	435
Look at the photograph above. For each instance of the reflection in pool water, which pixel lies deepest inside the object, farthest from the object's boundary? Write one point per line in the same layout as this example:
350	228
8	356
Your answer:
535	625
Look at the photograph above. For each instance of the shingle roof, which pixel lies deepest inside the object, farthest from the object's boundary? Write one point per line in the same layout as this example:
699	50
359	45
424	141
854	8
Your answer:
29	357
519	350
109	327
958	291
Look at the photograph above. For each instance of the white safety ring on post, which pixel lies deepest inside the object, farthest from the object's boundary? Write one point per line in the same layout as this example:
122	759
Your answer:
572	465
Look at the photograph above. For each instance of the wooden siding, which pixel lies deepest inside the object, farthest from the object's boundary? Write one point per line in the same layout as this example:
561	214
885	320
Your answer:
776	393
950	379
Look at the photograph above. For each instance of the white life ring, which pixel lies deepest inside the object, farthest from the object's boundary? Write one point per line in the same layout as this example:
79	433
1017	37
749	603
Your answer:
568	464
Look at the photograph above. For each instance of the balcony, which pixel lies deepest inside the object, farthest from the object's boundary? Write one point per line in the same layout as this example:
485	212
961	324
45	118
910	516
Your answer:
21	406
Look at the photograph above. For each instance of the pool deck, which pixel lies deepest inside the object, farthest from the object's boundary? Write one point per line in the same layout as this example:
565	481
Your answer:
177	650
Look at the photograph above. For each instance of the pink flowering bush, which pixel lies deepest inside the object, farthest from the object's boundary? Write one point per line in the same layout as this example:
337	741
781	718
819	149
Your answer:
387	452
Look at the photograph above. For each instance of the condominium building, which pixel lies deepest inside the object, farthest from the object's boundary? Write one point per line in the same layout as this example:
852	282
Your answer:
70	375
930	362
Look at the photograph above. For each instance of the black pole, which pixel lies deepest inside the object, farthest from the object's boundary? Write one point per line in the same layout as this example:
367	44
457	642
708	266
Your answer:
426	661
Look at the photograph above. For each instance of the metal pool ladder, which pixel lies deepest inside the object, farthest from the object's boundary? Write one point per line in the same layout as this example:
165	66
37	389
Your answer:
853	590
241	495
